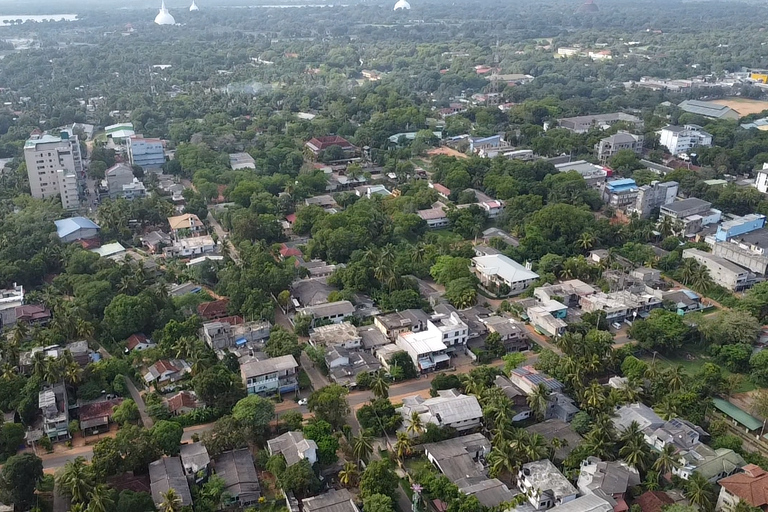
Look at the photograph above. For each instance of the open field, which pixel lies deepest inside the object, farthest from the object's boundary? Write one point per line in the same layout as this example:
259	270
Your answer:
743	106
446	151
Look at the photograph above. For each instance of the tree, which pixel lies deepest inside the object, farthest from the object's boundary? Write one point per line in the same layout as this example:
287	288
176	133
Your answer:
666	461
699	492
218	385
512	361
663	330
299	479
538	401
171	501
292	420
254	413
19	478
330	404
349	475
730	327
379	417
227	434
76	480
401	366
167	436
321	432
758	368
378	478
415	424
380	385
282	342
581	422
362	446
126	412
445	381
127	314
130	501
100	499
378	503
403	445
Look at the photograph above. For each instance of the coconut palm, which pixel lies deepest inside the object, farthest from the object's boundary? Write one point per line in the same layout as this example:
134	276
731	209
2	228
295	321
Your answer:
635	452
665	226
380	385
599	443
586	240
20	333
699	492
631	432
667	409
675	377
362	447
171	501
76	480
594	396
403	445
415	424
538	401
535	448
349	475
688	270
77	507
100	499
701	280
84	329
502	461
53	370
8	371
38	364
666	461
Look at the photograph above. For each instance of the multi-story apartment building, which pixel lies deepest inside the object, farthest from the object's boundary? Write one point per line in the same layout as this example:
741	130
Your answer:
682	139
55	168
620	141
723	272
620	193
53	405
272	376
147	153
654	195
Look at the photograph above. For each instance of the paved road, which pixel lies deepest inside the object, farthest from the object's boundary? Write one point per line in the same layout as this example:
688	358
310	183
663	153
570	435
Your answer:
145	418
224	237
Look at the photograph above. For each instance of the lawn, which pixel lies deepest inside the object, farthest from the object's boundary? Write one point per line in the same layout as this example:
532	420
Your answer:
692	359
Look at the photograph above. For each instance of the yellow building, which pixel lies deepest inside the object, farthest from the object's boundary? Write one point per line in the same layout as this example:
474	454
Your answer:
761	77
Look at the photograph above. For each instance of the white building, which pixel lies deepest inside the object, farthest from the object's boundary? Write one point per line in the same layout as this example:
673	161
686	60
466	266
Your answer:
682	139
434	217
609	146
134	190
504	274
190	247
761	181
241	161
335	312
117	176
724	273
448	409
294	447
146	153
270	376
55	168
545	485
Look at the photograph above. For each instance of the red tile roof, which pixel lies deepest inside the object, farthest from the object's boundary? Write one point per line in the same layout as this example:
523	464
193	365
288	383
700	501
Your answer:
98	409
214	309
751	486
134	340
164	365
32	312
441	189
322	143
182	399
291	217
90	243
287	252
653	501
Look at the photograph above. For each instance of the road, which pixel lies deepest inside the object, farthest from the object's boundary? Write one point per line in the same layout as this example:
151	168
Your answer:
145	418
224	237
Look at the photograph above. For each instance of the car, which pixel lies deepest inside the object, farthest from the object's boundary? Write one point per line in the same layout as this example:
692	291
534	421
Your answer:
616	325
303	401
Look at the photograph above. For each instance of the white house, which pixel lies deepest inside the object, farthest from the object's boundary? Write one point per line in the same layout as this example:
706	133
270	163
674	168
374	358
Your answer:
293	447
448	408
545	485
682	139
503	274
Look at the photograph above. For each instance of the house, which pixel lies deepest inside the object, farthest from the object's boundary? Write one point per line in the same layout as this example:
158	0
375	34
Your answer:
582	124
434	217
154	241
165	474
448	408
10	299
317	145
587	503
516	395
213	310
761	179
441	190
54	407
708	109
750	486
330	501
240	161
490	492
621	141
693	213
371	338
76	228
113	251
724	273
344	365
491	233
270	376
639	413
293	447
95	417
138	341
229	332
241	483
513	334
195	461
191	246
547	318
654	501
426	348
620	193
493	208
567	292
544	485
32	314
344	335
655	195
310	292
167	370
186	224
408	320
183	402
682	139
326	202
528	378
116	176
711	464
558	429
370	191
502	274
460	457
334	312
561	407
610	480
622	305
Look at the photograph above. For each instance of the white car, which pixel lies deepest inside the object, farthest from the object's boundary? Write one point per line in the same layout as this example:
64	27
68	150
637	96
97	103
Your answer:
303	401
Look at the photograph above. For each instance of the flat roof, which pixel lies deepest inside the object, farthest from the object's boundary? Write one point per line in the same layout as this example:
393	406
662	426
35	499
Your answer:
686	204
254	368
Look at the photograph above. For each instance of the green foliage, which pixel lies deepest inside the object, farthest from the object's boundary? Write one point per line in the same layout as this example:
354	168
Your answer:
299	479
401	366
18	479
330	404
327	444
282	342
379	416
126	412
254	413
218	385
378	478
663	331
378	503
167	436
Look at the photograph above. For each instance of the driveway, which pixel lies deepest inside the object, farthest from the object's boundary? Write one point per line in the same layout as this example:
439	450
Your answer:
145	418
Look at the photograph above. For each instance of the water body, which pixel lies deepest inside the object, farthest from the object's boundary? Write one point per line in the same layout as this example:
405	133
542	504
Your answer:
9	20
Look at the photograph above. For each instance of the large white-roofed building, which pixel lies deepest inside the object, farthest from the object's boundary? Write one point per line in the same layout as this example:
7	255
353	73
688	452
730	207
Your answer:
502	274
164	17
448	408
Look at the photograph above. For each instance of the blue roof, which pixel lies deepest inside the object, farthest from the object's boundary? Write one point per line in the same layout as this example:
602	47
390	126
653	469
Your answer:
623	184
690	294
66	227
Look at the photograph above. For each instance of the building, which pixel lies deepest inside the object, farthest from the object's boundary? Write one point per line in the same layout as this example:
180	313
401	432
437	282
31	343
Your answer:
345	365
55	168
682	139
605	479
95	417
430	348
317	145
116	176
241	482
331	501
54	408
134	190
589	502
544	485
10	300
621	305
76	228
185	225
708	109
761	179
146	153
516	395
192	246
502	274
196	461
528	378
723	272
558	429
747	251
739	226
621	141
240	161
593	174
183	402
644	416
434	217
230	332
30	314
448	408
165	474
513	334
213	310
272	376
409	320
620	193
655	195
167	370
154	241
493	208
654	501
491	233
690	215
561	407
582	124
119	133
293	447
334	312
343	335
567	292
750	486
548	317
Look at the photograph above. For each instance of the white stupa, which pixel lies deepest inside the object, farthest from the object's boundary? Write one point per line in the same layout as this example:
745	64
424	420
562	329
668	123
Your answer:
164	17
402	5
194	6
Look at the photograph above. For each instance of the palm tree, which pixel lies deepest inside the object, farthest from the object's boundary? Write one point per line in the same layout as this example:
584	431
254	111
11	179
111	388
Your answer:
100	499
586	240
665	226
666	461
502	461
688	270
348	476
20	333
38	364
536	447
594	396
72	373
185	346
53	370
362	447
380	386
667	409
599	443
415	425
675	377
76	480
171	501
631	432
701	279
403	445
84	329
635	453
8	371
699	492
538	401
77	507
